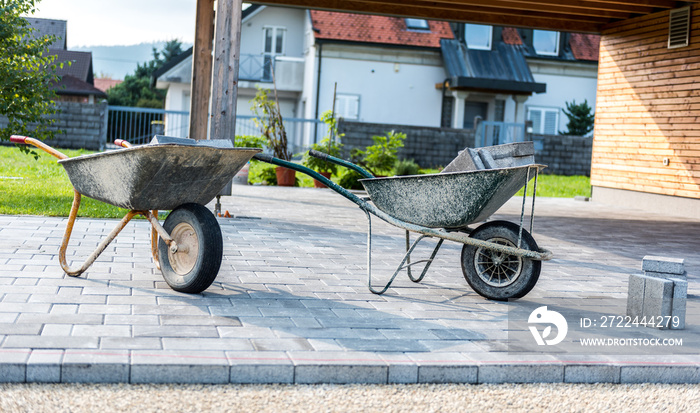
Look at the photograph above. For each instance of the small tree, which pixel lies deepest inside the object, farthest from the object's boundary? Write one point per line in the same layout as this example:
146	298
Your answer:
26	73
269	119
581	118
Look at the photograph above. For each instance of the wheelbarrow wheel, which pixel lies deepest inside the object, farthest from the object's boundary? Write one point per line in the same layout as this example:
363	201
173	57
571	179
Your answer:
195	264
497	275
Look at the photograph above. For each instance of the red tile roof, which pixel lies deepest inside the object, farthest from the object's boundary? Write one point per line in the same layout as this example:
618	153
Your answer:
585	46
105	84
367	28
511	36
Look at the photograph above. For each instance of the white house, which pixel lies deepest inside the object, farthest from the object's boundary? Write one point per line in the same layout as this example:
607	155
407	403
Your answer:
399	71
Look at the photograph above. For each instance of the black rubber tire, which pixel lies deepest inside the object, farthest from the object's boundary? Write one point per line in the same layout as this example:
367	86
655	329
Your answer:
191	225
524	272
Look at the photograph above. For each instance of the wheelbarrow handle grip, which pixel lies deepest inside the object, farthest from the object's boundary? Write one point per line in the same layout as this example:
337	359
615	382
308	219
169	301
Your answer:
263	157
39	144
318	154
341	162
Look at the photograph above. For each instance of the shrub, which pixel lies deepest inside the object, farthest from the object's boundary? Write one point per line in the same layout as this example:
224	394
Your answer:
349	180
406	167
381	157
250	141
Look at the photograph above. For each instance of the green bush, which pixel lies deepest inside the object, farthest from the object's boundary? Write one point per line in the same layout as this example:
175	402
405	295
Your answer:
319	165
406	167
262	173
250	141
380	158
349	180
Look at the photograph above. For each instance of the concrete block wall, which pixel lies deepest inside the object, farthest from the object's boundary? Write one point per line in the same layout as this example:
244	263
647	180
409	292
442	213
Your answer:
431	147
563	154
79	126
427	146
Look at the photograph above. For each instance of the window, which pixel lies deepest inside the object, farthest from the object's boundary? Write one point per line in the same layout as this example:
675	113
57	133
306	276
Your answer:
417	24
273	45
478	36
347	106
273	40
545	121
545	42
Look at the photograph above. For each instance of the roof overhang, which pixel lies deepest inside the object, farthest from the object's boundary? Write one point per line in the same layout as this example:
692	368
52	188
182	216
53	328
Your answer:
585	16
496	85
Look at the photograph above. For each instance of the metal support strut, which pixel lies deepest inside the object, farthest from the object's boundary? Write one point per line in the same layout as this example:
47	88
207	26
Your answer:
405	262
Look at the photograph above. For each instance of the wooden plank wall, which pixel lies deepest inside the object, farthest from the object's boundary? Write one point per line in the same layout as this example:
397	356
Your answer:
648	109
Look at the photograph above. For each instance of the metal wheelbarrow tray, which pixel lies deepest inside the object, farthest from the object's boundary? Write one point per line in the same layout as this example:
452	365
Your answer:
155	177
500	259
447	200
170	174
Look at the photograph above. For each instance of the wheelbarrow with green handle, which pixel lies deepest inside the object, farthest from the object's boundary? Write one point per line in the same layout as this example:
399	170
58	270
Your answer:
500	259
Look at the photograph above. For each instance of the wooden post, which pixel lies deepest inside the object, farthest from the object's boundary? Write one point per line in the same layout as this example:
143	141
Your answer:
201	69
227	46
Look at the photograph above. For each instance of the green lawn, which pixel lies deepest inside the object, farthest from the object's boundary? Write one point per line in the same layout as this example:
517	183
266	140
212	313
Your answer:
558	186
41	187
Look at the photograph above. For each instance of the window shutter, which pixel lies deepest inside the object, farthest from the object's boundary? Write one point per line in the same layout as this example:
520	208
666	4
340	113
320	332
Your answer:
678	27
536	118
550	123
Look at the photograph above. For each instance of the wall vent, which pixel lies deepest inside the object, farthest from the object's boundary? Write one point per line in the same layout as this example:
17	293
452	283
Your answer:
679	27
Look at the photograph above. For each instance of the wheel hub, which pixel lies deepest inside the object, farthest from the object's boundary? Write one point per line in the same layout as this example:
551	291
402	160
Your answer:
497	269
184	258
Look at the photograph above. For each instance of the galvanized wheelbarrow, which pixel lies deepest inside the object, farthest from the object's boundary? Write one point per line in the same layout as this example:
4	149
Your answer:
500	260
171	174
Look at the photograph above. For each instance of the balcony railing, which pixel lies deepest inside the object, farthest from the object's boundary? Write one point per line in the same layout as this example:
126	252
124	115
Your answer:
289	71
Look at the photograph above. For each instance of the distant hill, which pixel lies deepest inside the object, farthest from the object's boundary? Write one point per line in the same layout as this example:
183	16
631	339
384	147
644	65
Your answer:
119	61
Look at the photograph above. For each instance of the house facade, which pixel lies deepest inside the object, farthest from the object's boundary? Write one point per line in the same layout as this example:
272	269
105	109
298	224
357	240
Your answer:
399	71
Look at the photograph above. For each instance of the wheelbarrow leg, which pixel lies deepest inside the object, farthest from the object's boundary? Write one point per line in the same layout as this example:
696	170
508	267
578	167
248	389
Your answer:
100	248
154	241
427	262
405	262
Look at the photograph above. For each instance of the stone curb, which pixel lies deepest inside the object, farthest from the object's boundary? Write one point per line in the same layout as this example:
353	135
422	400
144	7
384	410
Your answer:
57	366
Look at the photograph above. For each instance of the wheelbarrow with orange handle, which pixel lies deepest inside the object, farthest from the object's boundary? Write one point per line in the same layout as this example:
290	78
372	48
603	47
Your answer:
180	175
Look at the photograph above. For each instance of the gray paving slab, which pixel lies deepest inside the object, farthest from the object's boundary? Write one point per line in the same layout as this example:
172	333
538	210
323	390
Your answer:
290	303
95	366
44	366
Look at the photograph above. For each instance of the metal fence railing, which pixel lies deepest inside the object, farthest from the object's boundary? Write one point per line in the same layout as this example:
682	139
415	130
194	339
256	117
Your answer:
139	125
301	133
496	133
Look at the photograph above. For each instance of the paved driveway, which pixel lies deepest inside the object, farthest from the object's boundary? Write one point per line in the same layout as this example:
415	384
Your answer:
291	303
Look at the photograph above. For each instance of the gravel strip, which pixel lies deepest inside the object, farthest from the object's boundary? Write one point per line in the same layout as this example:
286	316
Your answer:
349	398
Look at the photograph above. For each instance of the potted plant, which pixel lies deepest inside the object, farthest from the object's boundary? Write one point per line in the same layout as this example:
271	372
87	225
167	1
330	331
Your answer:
269	120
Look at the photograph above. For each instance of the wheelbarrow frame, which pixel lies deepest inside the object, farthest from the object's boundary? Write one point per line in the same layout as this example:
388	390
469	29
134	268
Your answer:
191	263
157	230
442	234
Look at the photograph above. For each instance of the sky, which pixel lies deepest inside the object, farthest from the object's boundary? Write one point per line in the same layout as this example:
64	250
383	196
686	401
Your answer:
122	22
